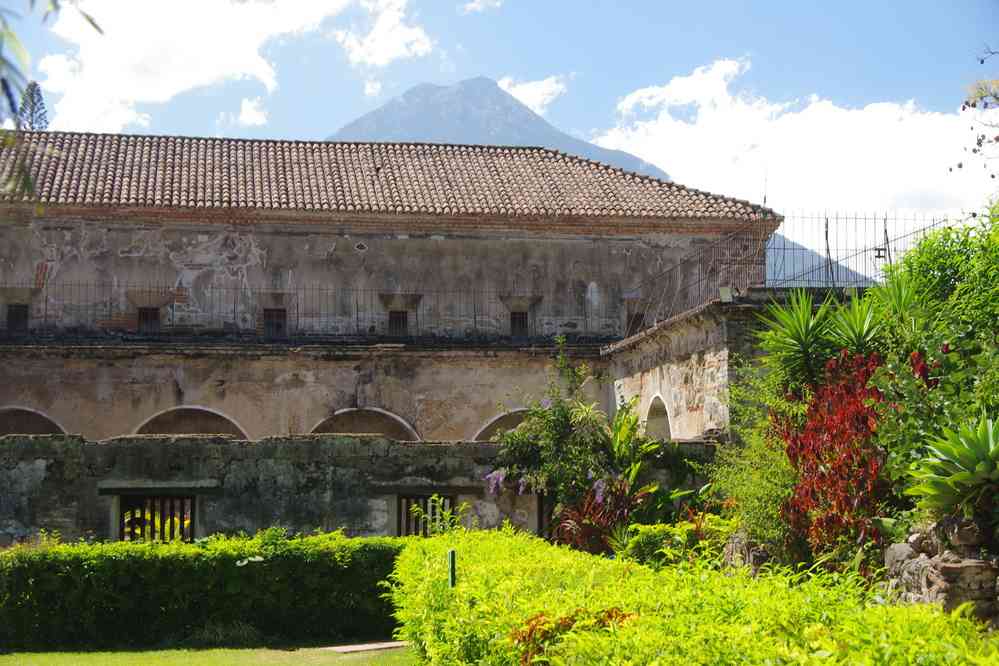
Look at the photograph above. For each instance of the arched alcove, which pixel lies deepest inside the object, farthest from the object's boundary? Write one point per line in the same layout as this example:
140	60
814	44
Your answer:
190	421
500	424
368	421
657	421
25	421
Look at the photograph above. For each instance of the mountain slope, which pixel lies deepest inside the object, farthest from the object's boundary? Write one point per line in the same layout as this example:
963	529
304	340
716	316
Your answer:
476	111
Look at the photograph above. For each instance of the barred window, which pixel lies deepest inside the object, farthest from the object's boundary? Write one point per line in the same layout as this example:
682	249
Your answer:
17	318
149	320
275	322
399	322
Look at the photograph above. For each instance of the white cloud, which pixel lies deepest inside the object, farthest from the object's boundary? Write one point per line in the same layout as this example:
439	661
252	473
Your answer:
480	6
372	88
536	94
389	39
252	113
152	51
812	153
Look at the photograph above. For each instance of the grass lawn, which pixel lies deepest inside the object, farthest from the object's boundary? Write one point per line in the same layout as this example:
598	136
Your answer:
306	656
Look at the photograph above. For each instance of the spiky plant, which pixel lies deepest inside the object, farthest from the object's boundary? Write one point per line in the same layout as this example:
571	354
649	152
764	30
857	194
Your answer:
795	337
854	326
961	472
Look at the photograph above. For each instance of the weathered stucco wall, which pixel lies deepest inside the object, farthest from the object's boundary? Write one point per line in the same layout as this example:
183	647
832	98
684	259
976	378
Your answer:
68	484
264	391
336	277
682	366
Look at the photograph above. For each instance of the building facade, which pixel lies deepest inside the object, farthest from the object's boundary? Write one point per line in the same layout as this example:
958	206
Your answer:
172	285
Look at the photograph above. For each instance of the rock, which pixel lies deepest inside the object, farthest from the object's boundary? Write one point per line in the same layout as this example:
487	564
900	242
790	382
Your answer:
897	555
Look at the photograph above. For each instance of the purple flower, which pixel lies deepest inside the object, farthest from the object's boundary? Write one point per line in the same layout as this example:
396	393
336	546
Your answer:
522	486
494	480
599	486
546	403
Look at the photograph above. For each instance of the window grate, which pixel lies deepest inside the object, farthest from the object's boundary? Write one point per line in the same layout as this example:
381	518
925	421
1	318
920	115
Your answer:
518	325
409	524
275	322
399	322
149	320
17	318
156	518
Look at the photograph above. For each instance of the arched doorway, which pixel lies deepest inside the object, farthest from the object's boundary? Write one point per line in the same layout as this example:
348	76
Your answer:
657	421
368	421
500	424
190	421
25	421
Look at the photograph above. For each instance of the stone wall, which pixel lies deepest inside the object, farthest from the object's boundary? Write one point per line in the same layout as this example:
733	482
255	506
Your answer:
68	484
333	276
270	390
946	564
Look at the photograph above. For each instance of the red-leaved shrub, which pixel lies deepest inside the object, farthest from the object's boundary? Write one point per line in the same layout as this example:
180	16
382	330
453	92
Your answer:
587	524
840	485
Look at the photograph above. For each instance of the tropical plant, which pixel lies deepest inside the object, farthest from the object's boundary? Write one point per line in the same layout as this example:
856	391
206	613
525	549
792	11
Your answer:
961	472
591	523
795	337
854	326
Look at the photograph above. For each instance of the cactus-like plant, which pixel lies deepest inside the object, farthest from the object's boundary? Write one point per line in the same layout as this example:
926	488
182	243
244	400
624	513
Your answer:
961	471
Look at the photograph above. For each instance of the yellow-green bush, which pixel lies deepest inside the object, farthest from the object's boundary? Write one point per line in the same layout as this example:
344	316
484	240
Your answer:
518	597
314	588
684	541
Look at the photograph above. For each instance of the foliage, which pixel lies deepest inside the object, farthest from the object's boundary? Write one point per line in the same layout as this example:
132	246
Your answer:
439	518
751	472
702	538
32	114
795	337
595	472
589	524
855	327
322	587
519	598
840	488
961	472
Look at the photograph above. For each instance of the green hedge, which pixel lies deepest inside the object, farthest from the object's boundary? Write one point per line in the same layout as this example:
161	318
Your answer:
518	599
672	543
314	588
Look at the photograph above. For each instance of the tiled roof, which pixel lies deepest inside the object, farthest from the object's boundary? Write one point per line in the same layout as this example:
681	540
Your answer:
437	179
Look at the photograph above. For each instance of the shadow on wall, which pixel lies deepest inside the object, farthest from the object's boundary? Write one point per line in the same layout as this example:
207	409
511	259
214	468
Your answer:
368	421
190	421
22	421
502	423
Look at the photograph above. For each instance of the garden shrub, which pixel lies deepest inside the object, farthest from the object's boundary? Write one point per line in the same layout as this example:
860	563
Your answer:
518	598
702	538
313	588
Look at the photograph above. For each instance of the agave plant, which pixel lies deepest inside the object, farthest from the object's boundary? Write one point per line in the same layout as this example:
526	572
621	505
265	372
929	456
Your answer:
854	326
961	471
796	337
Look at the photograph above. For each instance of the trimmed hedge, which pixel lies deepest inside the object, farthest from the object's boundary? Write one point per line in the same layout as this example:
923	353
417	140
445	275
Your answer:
314	588
666	544
519	599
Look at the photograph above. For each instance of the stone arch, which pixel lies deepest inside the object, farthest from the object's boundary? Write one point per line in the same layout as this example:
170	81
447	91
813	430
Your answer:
190	420
368	421
507	421
15	420
657	420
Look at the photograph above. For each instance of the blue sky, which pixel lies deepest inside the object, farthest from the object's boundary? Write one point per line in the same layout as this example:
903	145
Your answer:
845	104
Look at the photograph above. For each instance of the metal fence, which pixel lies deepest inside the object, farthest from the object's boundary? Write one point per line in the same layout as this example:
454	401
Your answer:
805	250
317	312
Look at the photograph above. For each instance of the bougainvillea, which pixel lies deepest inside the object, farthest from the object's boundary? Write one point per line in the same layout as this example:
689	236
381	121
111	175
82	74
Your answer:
840	486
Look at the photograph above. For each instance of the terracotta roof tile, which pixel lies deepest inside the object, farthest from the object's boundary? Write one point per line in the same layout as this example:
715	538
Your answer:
170	171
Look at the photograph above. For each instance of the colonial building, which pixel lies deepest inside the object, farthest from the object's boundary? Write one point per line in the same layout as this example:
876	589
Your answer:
155	285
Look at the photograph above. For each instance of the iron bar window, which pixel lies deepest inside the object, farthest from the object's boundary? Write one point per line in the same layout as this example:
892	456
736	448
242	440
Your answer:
519	325
156	518
149	320
275	322
399	323
17	318
429	513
